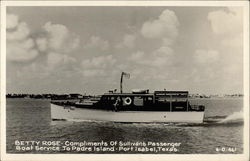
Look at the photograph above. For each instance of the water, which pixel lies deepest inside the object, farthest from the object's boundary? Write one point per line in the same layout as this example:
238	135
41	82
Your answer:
29	120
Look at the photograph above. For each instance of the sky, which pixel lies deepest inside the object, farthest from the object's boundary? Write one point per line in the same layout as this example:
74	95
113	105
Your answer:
85	49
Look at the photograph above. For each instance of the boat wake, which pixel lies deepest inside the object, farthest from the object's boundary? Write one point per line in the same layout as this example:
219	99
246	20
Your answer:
235	118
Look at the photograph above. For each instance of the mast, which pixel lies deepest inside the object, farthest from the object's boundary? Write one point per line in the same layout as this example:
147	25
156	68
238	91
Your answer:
127	76
121	82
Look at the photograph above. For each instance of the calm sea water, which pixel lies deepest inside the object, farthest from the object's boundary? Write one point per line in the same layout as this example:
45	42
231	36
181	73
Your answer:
29	119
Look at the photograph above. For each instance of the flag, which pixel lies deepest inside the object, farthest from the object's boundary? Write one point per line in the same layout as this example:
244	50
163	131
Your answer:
127	75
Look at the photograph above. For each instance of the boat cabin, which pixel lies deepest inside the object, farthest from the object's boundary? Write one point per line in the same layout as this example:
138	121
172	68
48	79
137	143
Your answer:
157	101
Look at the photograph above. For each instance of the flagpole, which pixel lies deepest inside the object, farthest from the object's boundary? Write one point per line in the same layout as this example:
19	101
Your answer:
121	82
126	76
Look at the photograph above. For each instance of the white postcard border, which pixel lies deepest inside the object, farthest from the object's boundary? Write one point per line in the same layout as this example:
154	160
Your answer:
156	157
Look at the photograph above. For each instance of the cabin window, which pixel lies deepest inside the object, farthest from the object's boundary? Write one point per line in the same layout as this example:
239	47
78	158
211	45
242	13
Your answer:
179	106
138	101
103	98
164	98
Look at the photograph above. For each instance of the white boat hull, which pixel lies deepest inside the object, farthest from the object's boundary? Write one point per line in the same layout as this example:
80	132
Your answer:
72	113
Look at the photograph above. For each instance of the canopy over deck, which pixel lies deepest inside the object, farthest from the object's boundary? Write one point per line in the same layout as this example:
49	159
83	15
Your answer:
169	94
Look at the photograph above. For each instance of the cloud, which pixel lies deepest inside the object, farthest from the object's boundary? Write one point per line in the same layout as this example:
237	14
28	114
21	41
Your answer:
162	56
42	44
58	38
99	62
21	51
155	62
97	65
42	52
234	41
140	58
159	58
57	34
11	21
165	29
167	42
206	56
226	21
227	25
222	64
97	42
165	26
57	42
22	32
56	59
93	72
128	41
137	56
20	47
163	51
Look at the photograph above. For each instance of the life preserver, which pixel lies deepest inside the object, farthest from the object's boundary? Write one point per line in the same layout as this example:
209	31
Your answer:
128	101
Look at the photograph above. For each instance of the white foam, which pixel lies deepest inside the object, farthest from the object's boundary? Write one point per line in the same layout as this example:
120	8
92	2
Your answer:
236	116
